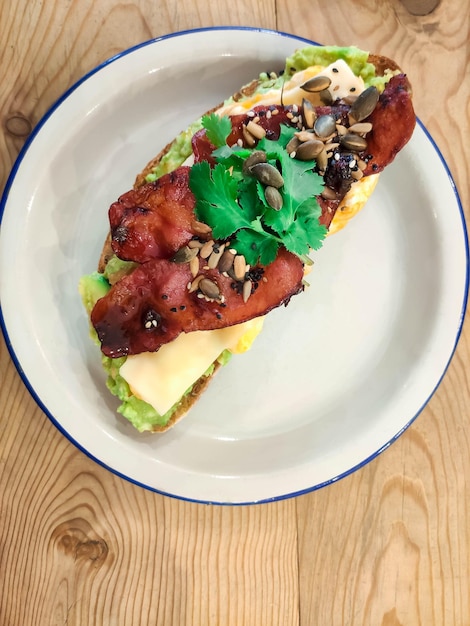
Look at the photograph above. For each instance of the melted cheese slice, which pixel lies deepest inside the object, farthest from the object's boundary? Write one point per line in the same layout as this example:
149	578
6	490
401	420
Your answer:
161	378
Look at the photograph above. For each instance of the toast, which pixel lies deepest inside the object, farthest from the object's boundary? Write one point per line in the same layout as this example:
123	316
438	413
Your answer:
345	208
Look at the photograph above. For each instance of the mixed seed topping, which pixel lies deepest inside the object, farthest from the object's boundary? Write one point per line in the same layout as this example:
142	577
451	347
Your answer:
336	140
215	255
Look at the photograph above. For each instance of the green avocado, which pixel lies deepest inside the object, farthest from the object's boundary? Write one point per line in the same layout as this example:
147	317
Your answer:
142	415
92	287
325	55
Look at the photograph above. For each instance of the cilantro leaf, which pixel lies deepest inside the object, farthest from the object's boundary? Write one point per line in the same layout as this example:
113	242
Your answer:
233	203
256	244
217	128
305	232
216	199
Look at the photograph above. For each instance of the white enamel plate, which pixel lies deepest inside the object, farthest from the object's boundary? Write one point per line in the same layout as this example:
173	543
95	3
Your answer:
333	379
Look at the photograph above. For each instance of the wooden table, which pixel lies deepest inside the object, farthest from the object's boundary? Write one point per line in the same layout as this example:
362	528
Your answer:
387	545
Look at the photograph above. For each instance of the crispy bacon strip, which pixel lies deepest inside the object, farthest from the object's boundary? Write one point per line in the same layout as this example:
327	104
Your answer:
393	121
153	305
154	220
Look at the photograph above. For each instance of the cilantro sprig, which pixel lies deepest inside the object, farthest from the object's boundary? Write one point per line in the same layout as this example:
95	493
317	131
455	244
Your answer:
233	203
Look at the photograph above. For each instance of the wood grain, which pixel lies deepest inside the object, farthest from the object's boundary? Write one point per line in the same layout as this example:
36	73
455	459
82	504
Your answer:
388	545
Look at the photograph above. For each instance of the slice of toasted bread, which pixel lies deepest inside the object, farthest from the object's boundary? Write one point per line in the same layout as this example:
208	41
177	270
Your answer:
382	65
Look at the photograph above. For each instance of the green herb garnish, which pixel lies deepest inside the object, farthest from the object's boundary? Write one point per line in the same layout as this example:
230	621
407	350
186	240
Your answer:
233	203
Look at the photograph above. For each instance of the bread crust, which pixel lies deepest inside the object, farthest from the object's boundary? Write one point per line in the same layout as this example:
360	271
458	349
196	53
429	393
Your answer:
382	64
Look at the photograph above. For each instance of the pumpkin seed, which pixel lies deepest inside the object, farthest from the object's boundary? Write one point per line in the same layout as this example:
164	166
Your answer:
324	126
292	145
353	142
273	198
257	156
316	84
267	174
309	150
326	97
364	104
226	261
184	255
209	288
308	113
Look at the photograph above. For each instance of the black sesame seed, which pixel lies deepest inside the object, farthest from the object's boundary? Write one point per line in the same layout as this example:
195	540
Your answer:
219	316
182	307
173	309
164	297
335	70
119	234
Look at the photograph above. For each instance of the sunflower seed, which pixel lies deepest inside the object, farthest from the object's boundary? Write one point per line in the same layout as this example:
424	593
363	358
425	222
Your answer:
250	141
353	142
207	249
328	193
195	243
304	135
362	128
247	287
239	267
215	257
195	283
256	130
361	164
341	130
194	266
199	228
357	174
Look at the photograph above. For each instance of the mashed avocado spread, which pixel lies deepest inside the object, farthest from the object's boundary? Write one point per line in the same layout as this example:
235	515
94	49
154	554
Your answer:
141	414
